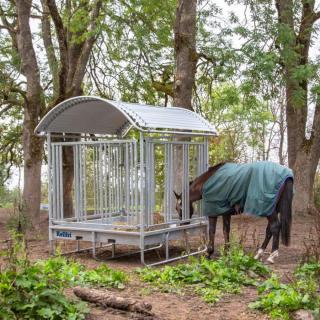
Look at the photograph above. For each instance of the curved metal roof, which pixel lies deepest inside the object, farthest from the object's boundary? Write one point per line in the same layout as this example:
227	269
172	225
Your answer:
86	114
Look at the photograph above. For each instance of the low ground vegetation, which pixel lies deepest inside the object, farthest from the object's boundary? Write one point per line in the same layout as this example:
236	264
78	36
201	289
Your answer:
36	290
279	299
41	289
211	279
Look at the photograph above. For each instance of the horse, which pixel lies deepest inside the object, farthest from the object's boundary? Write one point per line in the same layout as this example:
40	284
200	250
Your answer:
281	204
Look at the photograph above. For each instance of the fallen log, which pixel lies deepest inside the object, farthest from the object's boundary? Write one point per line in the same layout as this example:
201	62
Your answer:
109	300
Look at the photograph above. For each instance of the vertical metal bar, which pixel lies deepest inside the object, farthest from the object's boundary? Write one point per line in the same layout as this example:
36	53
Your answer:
170	179
61	182
49	168
152	181
206	154
147	178
58	183
170	182
109	183
94	178
122	203
54	163
100	181
114	177
75	158
132	188
117	184
185	182
84	180
136	182
79	164
93	236
165	186
81	180
77	182
54	198
205	166
107	193
142	188
127	183
97	180
167	245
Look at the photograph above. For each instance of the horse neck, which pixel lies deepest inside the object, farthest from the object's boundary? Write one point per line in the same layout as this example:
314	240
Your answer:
195	190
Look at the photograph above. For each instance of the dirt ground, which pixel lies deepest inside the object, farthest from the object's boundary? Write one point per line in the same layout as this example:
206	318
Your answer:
168	306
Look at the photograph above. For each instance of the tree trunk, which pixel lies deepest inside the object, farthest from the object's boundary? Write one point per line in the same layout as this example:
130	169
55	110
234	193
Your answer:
303	152
32	145
32	149
185	52
68	175
304	173
185	62
281	132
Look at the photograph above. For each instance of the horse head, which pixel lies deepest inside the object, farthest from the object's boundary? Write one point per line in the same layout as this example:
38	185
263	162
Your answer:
179	204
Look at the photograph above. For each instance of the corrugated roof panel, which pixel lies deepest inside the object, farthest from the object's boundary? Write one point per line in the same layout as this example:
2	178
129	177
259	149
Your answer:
97	115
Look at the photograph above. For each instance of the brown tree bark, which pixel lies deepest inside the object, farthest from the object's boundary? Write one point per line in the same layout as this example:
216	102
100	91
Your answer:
107	299
185	63
303	151
32	145
282	128
185	53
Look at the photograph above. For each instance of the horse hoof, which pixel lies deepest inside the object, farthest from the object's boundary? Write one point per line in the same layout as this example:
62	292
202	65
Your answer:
259	254
272	256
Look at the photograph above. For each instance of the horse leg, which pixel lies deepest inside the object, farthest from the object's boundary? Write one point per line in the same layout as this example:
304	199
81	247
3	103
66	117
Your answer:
265	242
212	232
275	227
226	230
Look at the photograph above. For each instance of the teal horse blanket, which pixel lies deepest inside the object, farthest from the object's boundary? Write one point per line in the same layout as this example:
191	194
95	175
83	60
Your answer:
254	187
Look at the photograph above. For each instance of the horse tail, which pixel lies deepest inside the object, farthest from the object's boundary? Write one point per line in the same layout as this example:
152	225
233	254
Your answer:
285	208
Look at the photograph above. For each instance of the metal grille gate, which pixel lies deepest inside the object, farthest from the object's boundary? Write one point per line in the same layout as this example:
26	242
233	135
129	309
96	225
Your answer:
122	187
105	182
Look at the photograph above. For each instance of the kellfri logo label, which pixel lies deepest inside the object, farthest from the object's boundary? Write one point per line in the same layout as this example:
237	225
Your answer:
63	234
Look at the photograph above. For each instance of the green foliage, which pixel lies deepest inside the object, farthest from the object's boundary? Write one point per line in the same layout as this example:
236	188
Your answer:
242	121
8	197
10	146
210	279
279	299
36	290
103	276
136	51
18	220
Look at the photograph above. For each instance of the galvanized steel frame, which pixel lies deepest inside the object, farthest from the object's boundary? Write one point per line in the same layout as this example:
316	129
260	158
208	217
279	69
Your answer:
133	199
